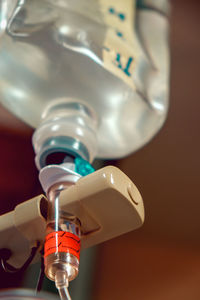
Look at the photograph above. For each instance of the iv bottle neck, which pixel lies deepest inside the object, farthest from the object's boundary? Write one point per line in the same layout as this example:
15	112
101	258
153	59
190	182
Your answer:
68	128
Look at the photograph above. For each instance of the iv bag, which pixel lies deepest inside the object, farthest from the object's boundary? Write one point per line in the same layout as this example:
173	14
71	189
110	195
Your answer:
110	54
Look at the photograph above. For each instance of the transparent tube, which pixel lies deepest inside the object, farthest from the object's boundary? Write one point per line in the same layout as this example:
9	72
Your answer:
62	245
62	283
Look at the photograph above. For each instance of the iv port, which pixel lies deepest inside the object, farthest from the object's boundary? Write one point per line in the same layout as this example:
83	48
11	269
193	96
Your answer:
61	261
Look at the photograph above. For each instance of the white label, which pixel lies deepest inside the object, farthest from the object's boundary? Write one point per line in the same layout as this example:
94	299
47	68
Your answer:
119	51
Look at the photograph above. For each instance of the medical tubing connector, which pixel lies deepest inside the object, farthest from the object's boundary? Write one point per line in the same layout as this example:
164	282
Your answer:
62	283
62	243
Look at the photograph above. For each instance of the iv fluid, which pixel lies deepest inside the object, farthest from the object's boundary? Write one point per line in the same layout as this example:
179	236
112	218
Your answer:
98	51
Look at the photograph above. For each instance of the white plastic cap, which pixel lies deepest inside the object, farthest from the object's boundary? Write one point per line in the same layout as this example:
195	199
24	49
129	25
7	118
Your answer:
53	174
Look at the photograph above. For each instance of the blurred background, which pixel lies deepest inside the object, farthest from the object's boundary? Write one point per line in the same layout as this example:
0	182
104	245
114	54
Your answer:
160	261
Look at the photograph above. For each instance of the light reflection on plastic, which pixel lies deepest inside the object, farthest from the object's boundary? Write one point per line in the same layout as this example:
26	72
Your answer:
111	178
55	127
80	121
158	106
84	51
79	131
17	93
76	145
64	30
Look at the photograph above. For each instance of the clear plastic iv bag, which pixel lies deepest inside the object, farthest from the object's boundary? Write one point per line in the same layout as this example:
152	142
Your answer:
110	54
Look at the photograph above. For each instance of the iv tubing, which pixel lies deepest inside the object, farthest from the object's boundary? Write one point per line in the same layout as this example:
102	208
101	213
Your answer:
61	281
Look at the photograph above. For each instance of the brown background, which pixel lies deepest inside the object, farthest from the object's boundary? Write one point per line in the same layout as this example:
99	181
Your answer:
161	261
